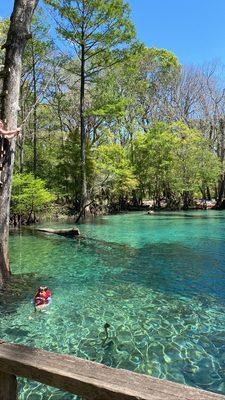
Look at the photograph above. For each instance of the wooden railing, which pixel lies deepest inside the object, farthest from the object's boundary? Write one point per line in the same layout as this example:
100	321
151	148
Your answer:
86	378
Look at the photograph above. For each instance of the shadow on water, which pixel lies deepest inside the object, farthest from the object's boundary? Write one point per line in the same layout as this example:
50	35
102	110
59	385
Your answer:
170	268
167	267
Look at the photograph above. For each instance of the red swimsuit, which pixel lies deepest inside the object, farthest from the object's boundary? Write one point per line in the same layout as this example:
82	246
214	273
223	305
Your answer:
41	298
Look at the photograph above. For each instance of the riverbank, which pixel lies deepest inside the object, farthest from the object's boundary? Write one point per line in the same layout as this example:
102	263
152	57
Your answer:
64	215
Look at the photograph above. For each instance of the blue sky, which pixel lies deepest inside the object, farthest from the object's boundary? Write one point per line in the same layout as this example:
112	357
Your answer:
193	29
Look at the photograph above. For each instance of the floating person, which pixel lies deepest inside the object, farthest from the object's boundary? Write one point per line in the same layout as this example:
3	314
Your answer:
5	136
42	298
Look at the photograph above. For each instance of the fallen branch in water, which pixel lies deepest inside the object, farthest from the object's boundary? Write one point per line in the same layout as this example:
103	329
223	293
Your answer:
64	232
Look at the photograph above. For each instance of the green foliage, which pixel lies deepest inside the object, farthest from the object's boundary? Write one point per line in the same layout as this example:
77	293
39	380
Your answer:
157	62
4	26
102	28
38	61
67	172
172	160
29	195
197	166
123	94
128	152
114	171
100	33
68	168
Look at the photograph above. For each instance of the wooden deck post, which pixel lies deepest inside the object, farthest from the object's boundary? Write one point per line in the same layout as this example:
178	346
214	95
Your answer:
8	387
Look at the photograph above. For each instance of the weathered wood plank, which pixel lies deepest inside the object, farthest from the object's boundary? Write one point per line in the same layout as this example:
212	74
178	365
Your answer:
63	232
8	387
92	380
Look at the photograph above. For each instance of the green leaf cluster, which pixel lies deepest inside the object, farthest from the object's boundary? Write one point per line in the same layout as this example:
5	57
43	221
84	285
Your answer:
114	171
29	194
171	160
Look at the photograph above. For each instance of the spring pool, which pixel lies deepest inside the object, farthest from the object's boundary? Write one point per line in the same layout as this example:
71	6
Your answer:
157	280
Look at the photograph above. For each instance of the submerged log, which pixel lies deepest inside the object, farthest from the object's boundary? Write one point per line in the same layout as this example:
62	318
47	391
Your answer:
64	232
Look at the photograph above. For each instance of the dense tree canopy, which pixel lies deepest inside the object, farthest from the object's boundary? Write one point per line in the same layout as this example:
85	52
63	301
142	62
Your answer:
174	163
112	120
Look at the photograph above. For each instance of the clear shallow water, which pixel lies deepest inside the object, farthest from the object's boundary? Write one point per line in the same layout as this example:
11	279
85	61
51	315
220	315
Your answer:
158	280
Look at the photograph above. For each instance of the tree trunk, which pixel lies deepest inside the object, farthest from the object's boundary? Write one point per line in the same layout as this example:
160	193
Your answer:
220	190
83	134
186	200
59	109
34	114
22	139
21	153
209	197
221	183
17	37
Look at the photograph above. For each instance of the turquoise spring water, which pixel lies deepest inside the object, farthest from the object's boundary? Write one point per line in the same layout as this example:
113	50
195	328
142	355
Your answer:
158	280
